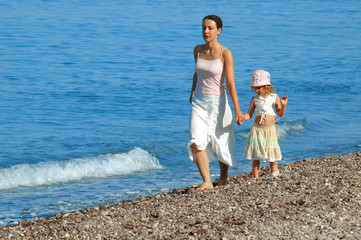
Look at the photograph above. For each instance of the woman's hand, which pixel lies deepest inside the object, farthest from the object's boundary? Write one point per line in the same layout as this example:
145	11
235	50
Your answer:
239	117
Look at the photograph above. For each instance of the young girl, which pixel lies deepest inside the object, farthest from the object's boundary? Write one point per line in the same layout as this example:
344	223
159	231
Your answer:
262	143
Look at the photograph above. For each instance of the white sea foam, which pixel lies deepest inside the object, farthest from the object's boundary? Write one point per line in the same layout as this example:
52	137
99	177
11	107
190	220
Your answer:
48	173
283	129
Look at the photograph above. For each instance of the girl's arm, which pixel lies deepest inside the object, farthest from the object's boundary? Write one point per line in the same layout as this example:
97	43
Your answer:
231	86
250	112
281	105
195	54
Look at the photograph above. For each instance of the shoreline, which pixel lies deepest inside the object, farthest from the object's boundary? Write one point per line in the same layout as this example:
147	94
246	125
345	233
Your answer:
318	198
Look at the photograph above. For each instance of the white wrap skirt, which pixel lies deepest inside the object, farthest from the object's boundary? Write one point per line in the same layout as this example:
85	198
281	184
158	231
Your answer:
211	128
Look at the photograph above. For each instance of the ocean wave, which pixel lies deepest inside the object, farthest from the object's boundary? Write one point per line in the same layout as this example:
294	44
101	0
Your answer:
102	166
283	128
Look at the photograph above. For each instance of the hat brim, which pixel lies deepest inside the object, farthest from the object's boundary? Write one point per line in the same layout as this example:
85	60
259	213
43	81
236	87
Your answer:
260	85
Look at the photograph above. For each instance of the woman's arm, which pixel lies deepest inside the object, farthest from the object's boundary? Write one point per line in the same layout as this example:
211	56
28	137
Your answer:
231	86
281	105
195	54
193	87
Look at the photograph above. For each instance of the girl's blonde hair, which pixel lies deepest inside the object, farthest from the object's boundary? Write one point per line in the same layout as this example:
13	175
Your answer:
268	89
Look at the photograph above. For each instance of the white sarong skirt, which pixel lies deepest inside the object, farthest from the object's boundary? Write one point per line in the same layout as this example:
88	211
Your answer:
211	128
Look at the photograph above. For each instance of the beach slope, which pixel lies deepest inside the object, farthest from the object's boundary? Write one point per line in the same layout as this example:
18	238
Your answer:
318	198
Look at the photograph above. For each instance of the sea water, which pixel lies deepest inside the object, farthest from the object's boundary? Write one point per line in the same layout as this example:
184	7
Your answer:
94	94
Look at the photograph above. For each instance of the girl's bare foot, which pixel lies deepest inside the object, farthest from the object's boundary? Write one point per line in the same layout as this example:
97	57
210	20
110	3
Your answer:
274	167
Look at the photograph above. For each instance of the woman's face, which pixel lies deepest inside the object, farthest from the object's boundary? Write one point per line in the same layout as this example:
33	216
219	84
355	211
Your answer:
209	30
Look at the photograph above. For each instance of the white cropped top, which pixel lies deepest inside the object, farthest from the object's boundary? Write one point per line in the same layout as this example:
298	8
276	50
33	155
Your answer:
265	106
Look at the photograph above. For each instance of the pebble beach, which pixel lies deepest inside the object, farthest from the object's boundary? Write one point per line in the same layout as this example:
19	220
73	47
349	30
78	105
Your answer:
318	198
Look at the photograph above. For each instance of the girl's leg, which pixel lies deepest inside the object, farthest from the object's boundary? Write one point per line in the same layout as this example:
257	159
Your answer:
201	159
274	167
255	168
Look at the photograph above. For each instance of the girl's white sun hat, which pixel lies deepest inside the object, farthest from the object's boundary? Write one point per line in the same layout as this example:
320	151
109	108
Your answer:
260	78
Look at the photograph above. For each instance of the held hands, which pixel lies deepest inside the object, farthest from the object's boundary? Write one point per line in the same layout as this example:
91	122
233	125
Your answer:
247	117
239	118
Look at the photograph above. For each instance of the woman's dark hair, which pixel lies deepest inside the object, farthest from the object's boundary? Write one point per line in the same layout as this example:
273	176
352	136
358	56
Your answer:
216	19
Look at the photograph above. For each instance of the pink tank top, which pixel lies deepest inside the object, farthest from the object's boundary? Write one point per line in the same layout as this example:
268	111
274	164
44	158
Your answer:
211	76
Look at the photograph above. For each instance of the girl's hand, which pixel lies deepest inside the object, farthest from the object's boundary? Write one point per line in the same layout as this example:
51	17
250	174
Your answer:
247	117
284	100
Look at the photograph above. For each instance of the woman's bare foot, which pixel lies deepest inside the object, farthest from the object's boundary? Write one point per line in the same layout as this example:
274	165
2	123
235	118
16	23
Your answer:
205	186
220	182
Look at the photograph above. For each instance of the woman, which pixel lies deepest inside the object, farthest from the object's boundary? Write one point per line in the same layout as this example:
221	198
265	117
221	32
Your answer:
211	122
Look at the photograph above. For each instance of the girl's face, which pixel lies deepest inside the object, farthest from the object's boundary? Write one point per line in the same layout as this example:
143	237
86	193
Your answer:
259	90
210	31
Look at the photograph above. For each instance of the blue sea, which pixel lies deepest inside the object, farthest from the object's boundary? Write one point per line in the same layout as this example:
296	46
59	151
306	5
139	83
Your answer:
94	94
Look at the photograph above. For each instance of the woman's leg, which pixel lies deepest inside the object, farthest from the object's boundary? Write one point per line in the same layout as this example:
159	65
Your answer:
201	159
255	168
224	171
224	175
